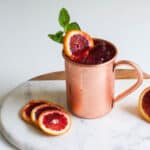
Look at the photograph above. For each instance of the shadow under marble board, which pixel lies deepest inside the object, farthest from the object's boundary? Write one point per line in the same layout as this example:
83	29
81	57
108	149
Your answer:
121	129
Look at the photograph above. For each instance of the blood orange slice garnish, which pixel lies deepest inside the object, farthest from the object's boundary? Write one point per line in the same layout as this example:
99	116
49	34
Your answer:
77	44
54	122
35	113
26	110
144	104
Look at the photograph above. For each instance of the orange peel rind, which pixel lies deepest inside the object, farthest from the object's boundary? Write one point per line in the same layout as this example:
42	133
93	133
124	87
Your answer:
141	109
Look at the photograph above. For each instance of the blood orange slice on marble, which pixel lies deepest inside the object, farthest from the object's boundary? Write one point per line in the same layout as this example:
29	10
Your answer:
35	113
54	122
27	108
144	104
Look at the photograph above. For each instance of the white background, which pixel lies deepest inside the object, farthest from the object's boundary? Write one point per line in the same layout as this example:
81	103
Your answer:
26	51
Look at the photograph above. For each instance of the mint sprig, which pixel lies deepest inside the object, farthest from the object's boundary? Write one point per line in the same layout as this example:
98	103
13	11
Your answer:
64	21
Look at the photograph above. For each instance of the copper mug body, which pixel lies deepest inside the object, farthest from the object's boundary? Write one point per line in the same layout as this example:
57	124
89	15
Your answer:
90	88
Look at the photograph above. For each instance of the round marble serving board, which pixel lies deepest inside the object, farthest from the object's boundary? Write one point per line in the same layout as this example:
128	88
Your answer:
122	128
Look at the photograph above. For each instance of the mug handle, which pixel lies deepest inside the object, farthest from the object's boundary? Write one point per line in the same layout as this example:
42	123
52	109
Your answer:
135	85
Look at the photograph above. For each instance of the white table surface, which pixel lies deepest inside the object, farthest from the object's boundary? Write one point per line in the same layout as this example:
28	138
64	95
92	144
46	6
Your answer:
26	50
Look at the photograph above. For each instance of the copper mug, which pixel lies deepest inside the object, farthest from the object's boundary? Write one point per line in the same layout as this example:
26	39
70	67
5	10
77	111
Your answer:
90	88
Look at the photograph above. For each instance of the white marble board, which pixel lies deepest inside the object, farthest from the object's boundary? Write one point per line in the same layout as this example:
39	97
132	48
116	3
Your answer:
122	128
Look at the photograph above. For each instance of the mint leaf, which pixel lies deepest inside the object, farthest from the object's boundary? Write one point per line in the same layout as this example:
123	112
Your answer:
72	26
58	37
64	17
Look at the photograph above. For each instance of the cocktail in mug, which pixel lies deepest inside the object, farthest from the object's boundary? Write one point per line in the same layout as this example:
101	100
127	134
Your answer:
90	81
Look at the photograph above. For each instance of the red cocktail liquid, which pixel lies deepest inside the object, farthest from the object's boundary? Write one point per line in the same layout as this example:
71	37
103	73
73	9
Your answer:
102	52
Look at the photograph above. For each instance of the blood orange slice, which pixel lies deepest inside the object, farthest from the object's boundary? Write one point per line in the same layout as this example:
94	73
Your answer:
77	44
35	113
144	104
54	122
26	110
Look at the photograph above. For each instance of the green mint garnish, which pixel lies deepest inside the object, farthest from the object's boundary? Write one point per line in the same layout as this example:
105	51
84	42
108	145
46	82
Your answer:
58	37
72	26
64	17
64	21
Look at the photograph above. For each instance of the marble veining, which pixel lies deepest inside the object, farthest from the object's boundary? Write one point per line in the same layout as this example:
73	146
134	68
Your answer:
121	129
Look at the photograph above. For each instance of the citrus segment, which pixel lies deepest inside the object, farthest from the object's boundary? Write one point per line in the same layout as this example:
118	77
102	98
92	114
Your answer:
26	110
77	44
39	109
54	122
144	104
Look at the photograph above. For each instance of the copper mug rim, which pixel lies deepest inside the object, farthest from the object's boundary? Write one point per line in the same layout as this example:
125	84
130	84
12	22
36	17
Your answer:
94	65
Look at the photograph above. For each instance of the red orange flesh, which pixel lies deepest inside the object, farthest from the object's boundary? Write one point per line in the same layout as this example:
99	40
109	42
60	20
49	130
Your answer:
54	122
144	104
26	109
77	44
39	109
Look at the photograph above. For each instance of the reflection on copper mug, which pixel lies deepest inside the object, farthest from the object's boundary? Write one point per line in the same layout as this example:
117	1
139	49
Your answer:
90	88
